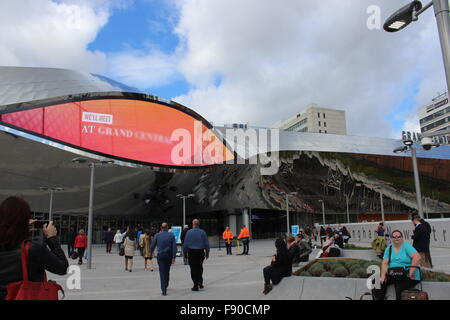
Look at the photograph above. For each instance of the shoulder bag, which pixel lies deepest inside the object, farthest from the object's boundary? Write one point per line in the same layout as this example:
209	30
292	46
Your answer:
27	290
415	294
396	273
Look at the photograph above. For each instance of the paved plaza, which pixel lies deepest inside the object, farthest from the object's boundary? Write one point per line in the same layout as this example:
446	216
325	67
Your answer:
235	277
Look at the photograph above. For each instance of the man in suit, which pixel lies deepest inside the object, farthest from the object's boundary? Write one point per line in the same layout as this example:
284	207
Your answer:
197	245
421	240
167	250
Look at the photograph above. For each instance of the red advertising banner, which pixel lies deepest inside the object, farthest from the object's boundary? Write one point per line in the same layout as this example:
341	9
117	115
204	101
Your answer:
141	131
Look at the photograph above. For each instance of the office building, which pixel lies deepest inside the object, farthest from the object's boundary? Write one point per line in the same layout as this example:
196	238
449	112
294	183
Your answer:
436	117
316	119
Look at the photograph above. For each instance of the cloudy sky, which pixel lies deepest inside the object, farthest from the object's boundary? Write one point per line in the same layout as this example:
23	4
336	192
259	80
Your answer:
254	61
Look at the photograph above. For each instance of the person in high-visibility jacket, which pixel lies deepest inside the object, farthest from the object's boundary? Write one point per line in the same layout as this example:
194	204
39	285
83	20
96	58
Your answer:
244	235
228	236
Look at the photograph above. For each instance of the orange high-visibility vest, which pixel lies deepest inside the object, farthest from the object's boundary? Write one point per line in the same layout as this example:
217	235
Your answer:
227	235
245	233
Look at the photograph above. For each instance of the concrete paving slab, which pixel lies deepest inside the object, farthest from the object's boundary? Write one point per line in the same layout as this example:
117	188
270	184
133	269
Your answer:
236	277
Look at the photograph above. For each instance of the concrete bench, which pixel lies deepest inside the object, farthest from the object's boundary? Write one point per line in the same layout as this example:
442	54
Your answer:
318	288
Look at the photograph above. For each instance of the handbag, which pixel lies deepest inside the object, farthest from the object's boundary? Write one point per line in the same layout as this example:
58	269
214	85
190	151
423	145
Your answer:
27	290
74	255
396	273
122	251
415	294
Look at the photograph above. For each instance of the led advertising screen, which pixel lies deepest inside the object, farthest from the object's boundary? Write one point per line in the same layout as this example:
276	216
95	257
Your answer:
139	131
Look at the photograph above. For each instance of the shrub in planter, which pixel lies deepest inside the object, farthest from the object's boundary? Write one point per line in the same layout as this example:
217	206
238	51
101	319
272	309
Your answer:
361	272
354	267
330	265
442	278
305	274
340	271
327	274
316	269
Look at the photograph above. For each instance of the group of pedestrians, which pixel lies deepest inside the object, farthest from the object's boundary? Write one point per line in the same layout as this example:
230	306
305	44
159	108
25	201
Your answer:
244	236
195	246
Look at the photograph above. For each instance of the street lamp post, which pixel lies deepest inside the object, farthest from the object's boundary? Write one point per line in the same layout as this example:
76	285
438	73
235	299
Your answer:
191	195
323	211
287	211
409	144
381	203
91	164
52	190
348	213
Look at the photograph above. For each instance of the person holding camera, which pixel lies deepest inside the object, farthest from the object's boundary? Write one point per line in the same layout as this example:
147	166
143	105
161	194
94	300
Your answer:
398	267
15	228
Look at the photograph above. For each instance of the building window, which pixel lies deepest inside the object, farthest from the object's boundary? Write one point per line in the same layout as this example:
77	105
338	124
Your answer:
320	131
325	131
319	123
318	114
324	124
324	115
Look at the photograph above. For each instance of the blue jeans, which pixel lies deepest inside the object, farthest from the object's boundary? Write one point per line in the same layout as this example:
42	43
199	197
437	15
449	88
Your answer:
164	264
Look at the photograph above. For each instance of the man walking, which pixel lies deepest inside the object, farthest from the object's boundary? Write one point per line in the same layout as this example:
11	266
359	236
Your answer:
167	250
421	240
197	245
244	235
108	238
228	236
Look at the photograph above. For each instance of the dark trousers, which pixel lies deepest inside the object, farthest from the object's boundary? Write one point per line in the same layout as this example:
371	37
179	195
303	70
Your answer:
245	243
228	245
185	256
164	264
267	273
81	253
400	285
69	249
196	258
108	246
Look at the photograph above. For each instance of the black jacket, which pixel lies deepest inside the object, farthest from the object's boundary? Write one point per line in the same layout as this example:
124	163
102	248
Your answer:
421	238
282	267
294	251
40	258
108	236
304	251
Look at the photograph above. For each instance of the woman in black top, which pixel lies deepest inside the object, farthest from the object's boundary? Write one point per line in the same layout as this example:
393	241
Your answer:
281	266
15	226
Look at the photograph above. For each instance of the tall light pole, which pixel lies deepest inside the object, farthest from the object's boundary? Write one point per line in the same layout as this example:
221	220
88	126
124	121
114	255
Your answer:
348	213
409	13
323	211
91	164
409	144
287	211
191	195
381	203
52	190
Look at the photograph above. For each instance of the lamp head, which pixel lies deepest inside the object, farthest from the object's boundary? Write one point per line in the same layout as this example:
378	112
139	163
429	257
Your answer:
408	142
402	17
401	149
79	160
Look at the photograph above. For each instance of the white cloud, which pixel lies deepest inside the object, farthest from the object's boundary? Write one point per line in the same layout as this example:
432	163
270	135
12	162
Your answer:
143	68
275	58
52	34
272	58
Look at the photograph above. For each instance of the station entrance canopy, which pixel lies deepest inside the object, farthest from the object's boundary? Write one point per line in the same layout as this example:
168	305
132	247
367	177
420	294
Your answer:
129	127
